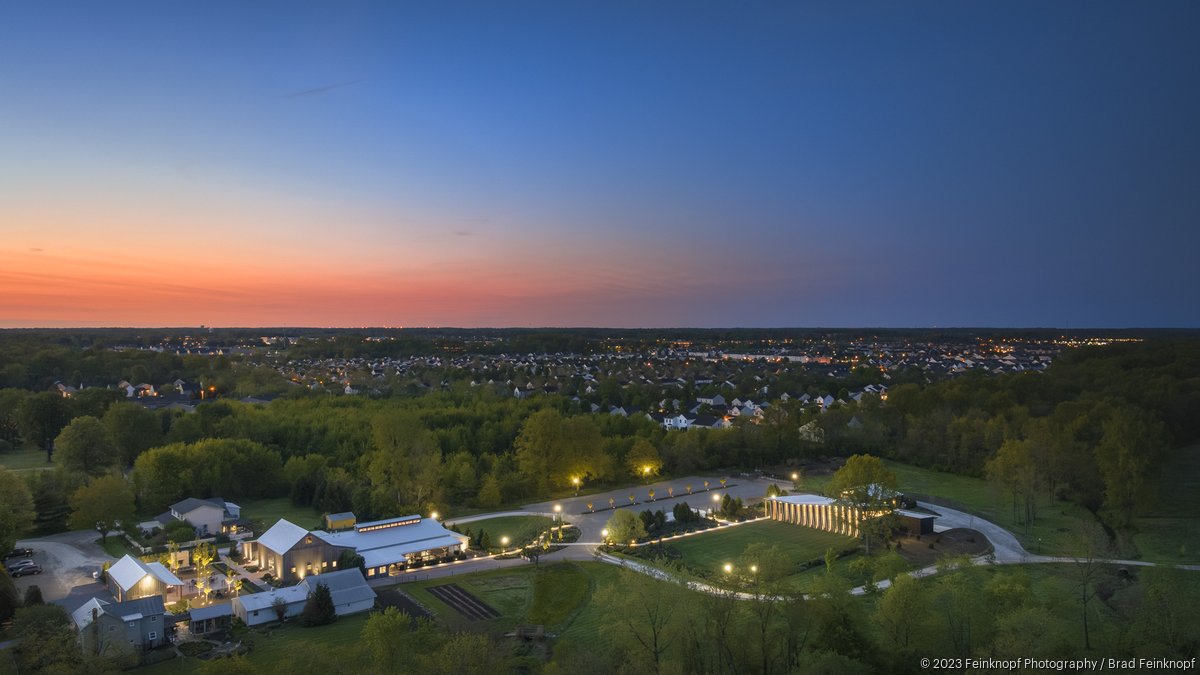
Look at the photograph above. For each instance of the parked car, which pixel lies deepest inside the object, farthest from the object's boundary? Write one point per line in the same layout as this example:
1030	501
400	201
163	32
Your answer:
19	564
19	553
25	570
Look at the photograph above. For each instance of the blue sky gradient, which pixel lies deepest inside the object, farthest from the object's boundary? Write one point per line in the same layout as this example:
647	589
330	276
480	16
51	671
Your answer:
621	164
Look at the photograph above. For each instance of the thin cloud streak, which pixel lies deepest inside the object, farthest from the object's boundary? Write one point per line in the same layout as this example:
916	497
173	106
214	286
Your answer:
317	91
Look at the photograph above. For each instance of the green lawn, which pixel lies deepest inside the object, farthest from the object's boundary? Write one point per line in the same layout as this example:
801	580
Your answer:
704	556
558	591
519	529
267	650
508	591
713	549
550	595
1052	532
1170	529
267	511
24	458
114	545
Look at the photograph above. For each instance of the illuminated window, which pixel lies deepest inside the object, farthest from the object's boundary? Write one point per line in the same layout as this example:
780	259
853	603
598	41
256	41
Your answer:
293	570
335	563
324	564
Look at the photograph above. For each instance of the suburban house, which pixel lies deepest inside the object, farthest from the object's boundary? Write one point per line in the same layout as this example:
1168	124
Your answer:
208	516
348	588
109	628
292	553
130	578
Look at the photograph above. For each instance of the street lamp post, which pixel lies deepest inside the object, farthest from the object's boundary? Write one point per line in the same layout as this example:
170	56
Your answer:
558	512
575	482
503	545
604	535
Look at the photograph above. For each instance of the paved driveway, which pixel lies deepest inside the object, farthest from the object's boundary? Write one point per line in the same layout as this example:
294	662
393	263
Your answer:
68	560
575	510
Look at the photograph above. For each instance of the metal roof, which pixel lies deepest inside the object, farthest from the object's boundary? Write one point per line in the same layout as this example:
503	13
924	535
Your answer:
210	612
390	545
259	601
282	536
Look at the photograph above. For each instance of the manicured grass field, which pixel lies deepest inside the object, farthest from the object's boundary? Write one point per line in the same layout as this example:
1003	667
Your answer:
712	549
518	529
20	459
270	510
1170	530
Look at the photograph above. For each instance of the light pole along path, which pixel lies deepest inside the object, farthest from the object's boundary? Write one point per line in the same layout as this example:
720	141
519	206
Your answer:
1006	548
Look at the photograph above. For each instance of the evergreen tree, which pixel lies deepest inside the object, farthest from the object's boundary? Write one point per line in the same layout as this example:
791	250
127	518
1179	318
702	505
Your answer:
33	596
318	610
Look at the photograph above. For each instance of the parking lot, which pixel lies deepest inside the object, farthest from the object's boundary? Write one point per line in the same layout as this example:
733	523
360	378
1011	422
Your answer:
67	560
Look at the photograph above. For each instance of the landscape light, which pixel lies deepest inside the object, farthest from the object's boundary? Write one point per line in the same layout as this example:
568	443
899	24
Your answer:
728	568
754	568
434	515
795	476
716	498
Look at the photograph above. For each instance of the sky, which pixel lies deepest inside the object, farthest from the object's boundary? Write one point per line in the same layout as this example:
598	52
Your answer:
624	164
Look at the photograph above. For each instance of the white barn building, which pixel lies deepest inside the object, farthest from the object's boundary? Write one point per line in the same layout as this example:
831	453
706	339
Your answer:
350	592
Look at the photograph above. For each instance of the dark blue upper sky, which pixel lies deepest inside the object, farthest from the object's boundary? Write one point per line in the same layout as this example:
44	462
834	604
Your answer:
604	163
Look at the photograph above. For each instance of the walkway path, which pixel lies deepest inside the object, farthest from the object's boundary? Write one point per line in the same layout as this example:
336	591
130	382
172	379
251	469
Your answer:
1007	551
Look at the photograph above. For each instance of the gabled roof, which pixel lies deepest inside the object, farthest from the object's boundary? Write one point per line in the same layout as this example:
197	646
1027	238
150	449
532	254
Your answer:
388	545
282	536
83	616
346	586
191	504
128	571
259	601
130	610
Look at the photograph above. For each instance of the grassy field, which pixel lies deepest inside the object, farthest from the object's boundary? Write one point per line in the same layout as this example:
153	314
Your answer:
267	650
114	545
1052	532
267	511
548	595
1170	530
711	550
519	529
20	459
